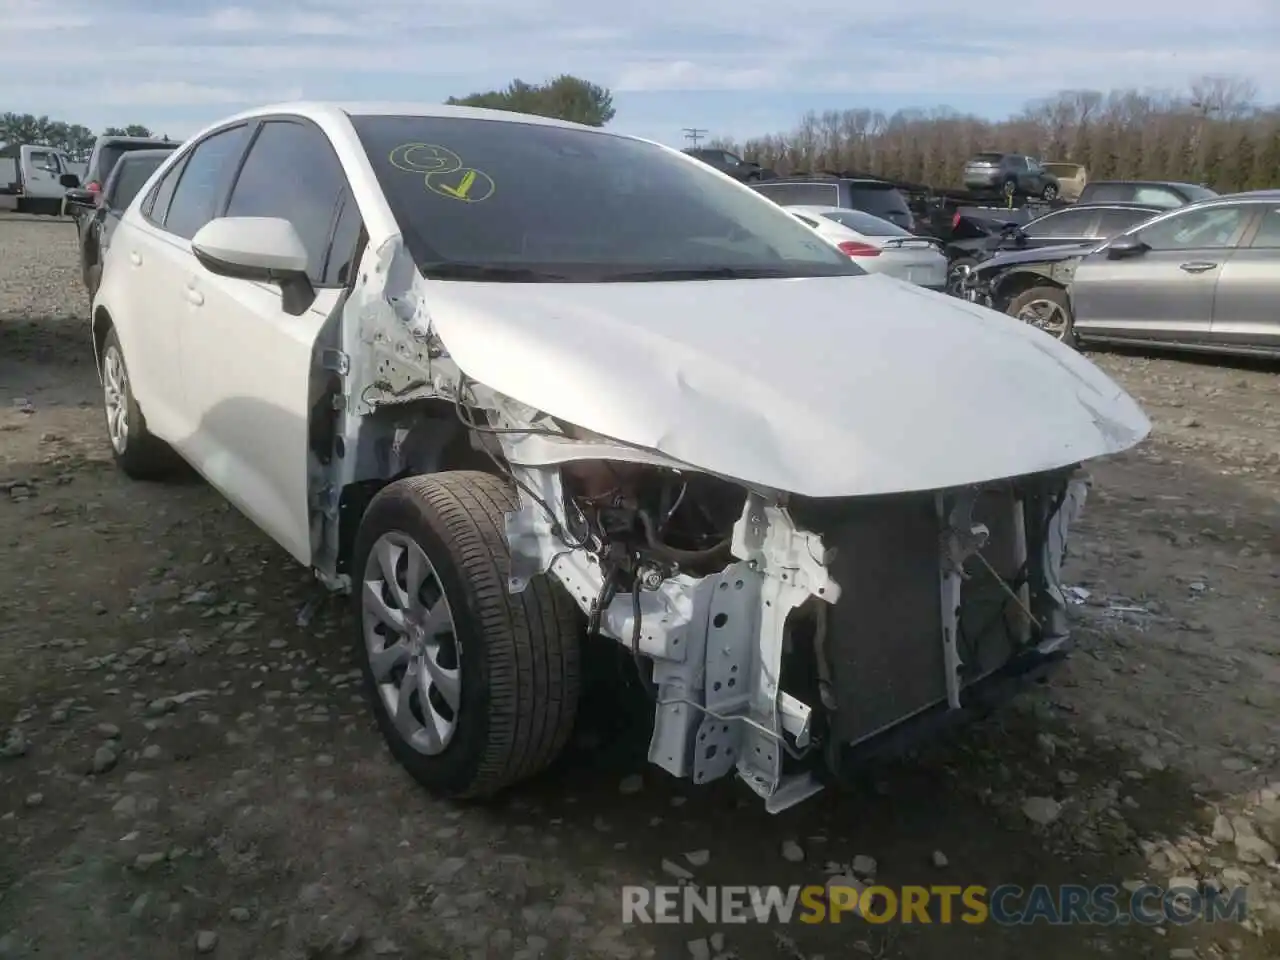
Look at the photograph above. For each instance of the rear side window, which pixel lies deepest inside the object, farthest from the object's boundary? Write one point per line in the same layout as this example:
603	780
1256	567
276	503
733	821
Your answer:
1113	222
1068	223
878	200
292	173
988	158
203	180
1157	197
1107	193
866	224
1268	235
130	178
802	194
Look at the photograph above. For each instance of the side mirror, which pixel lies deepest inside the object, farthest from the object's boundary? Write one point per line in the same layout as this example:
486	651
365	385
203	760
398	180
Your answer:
1126	246
70	181
261	249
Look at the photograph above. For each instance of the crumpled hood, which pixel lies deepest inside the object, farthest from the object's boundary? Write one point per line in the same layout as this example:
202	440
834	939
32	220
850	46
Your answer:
833	386
1053	254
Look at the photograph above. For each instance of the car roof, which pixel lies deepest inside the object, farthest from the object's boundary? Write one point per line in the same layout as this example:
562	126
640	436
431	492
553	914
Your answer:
825	178
104	140
133	155
1156	183
325	110
1111	205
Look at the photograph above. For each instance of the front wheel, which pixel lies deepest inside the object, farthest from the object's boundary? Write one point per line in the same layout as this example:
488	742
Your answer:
1050	192
474	688
1047	309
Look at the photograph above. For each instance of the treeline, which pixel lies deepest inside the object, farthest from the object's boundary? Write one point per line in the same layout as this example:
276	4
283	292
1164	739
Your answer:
565	98
1214	133
76	139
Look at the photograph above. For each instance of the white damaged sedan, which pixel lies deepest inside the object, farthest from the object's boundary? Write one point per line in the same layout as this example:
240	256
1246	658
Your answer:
523	386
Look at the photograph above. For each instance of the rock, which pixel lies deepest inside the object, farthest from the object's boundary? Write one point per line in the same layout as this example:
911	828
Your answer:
1223	832
1041	810
15	745
1151	761
1253	849
675	870
940	859
844	900
139	908
34	800
152	751
384	947
126	806
631	784
792	852
863	865
145	861
239	914
206	940
347	941
237	649
1183	953
109	730
698	858
699	949
105	759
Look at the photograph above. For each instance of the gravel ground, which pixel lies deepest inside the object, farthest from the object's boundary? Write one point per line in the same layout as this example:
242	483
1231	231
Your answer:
187	767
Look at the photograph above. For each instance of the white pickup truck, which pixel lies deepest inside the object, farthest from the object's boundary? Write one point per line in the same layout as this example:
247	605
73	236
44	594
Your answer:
36	180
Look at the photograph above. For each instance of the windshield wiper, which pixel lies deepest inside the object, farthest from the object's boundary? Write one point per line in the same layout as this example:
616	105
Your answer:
451	270
698	273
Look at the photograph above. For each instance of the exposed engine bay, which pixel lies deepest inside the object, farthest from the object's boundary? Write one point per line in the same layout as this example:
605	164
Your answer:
779	636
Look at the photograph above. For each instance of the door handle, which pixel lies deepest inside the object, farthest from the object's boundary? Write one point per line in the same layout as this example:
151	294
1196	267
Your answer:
195	296
135	258
1197	266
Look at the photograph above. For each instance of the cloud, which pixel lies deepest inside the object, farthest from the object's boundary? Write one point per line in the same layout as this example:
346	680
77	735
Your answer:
719	63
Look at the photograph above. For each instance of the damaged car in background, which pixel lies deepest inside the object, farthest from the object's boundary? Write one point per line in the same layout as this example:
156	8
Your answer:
523	387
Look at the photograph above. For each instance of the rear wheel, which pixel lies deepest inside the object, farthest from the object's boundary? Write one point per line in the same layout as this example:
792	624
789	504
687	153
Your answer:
1050	192
136	450
474	688
1045	308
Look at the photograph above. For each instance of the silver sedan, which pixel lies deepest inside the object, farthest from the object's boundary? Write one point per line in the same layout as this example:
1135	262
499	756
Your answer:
1203	277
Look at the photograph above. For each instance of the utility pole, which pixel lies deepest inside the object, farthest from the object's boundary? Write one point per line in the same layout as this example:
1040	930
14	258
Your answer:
694	134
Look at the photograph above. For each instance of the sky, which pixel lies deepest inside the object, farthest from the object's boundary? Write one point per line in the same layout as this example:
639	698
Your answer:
736	68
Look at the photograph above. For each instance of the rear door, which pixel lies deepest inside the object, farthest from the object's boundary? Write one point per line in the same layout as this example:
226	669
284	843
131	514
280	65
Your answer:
154	247
246	360
1166	291
1246	304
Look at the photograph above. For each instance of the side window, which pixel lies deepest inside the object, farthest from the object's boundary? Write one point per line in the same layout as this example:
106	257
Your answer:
341	257
729	159
156	205
291	172
1068	223
1268	235
1111	193
41	159
203	180
1118	221
1207	229
1157	197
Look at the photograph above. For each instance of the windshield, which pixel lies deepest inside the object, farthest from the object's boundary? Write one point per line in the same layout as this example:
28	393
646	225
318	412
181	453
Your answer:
501	200
866	224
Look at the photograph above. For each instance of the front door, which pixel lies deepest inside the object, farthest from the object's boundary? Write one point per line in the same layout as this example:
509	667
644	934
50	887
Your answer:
248	363
1165	289
1246	308
41	173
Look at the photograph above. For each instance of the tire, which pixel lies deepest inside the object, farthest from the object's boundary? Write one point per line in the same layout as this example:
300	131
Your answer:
953	271
1056	297
1050	192
516	658
141	455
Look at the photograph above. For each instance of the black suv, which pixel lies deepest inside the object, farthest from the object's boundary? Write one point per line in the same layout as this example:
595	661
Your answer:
1012	174
731	163
879	198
